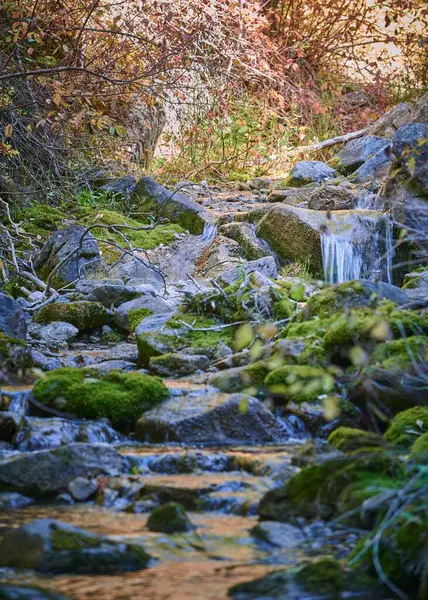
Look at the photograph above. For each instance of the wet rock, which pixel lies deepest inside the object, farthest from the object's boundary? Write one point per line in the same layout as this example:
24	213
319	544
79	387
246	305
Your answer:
48	433
356	152
56	332
217	418
156	199
22	592
9	426
145	306
86	286
123	186
411	149
113	295
291	196
178	365
83	315
61	244
245	235
144	273
223	254
333	197
51	546
114	365
50	471
82	489
265	266
375	169
281	535
15	401
416	285
12	500
12	318
169	518
310	171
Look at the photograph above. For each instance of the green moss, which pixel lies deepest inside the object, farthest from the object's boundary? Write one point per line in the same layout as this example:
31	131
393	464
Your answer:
300	383
136	315
413	280
347	439
332	298
420	446
282	306
407	426
72	541
315	328
372	485
120	397
6	342
83	315
42	219
399	354
169	518
257	373
324	576
112	337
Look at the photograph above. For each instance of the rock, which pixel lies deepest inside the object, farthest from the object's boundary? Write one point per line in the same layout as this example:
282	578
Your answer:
310	171
129	314
51	546
399	115
57	331
86	258
12	501
156	199
86	286
332	197
15	401
114	365
83	315
291	196
123	186
260	183
217	418
82	489
358	151
376	169
266	267
46	434
169	518
410	146
416	284
9	425
348	439
119	397
299	383
12	318
113	295
223	254
143	272
22	592
50	471
281	535
178	365
245	235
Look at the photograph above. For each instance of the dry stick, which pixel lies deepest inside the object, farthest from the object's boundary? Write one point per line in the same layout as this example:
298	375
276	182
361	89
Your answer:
213	328
347	137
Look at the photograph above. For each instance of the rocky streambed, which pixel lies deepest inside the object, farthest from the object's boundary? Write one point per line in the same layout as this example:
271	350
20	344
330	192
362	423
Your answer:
205	417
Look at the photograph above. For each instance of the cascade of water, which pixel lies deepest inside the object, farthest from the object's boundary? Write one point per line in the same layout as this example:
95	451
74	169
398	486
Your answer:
358	246
188	252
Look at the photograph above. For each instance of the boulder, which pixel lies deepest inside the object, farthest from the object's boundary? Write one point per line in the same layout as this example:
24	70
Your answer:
13	501
266	267
86	286
357	152
56	332
12	318
281	535
291	196
333	197
410	146
129	314
156	199
178	365
9	425
51	546
223	254
169	518
113	295
399	115
81	489
310	171
23	592
376	169
123	186
85	258
83	315
217	418
50	471
144	273
245	235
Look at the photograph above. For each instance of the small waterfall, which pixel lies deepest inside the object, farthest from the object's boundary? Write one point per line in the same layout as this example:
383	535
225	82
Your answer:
188	252
358	246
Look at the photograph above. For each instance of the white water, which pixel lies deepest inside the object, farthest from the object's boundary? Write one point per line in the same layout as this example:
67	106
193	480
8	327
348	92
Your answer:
188	252
358	246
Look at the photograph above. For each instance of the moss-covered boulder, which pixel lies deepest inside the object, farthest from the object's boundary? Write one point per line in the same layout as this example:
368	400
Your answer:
298	383
83	315
178	364
402	353
169	518
348	439
419	448
310	171
242	378
88	393
407	426
245	235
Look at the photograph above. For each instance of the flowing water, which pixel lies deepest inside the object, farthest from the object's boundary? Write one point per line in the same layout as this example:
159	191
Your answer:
187	253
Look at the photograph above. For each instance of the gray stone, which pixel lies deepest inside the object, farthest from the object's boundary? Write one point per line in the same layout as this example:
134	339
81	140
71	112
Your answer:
82	489
223	254
51	546
281	535
83	315
85	259
154	198
178	365
46	363
260	183
12	501
113	295
245	235
217	418
310	171
48	433
23	592
9	425
399	115
143	272
291	196
356	152
332	197
86	286
377	168
169	518
155	305
12	318
114	365
123	186
50	471
410	146
57	331
265	266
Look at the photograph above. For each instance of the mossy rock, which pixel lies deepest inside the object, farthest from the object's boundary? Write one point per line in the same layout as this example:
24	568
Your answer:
83	315
87	393
324	576
348	439
419	447
314	329
407	426
399	354
136	315
14	354
169	518
298	383
313	492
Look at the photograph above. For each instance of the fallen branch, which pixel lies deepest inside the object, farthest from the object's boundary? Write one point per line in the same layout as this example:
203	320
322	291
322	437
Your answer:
339	139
